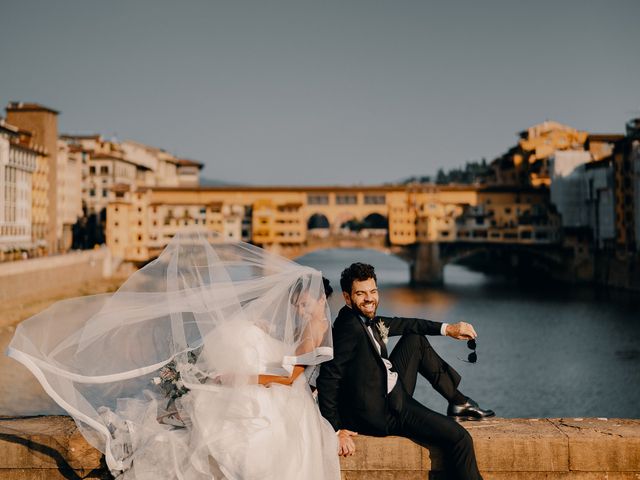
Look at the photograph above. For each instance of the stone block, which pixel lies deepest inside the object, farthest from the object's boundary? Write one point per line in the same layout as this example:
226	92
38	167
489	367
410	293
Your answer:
384	475
558	476
45	443
52	474
387	453
519	445
599	445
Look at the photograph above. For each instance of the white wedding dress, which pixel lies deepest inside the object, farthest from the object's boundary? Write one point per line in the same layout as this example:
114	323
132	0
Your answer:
246	432
246	312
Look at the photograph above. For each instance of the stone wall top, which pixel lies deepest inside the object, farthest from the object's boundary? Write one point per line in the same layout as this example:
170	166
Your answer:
518	449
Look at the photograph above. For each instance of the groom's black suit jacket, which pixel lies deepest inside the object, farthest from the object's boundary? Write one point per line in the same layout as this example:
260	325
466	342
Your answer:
352	388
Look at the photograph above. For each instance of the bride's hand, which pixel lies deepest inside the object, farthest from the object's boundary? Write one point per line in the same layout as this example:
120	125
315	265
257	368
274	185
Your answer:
346	445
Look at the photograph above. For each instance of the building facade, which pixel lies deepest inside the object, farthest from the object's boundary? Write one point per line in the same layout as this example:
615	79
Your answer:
141	222
42	123
17	165
626	165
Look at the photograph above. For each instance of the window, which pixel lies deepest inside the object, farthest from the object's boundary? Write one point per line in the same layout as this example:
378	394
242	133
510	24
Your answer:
379	199
104	170
92	170
346	199
320	199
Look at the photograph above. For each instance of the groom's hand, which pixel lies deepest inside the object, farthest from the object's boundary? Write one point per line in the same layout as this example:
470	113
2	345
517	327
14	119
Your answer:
346	445
461	331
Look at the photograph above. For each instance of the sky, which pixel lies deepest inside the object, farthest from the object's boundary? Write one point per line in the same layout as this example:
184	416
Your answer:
274	92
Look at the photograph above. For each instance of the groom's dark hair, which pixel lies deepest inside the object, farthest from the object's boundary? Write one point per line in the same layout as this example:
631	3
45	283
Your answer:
356	271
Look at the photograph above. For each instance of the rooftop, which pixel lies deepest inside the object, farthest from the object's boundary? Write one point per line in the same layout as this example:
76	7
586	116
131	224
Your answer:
29	107
605	137
185	162
8	128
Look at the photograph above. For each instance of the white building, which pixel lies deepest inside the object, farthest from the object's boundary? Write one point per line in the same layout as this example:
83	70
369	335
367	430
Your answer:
17	164
69	192
189	172
584	193
157	168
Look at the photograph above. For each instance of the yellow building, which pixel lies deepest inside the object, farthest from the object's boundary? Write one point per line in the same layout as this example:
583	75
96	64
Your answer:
140	222
527	163
438	209
539	142
513	215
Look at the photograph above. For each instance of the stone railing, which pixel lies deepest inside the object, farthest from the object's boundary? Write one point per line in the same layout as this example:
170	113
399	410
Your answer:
42	275
51	448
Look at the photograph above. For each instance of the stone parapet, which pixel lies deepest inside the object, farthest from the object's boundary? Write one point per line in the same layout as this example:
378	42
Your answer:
507	449
44	275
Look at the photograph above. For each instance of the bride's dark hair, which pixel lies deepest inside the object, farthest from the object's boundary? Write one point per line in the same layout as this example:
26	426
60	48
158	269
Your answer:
297	289
328	289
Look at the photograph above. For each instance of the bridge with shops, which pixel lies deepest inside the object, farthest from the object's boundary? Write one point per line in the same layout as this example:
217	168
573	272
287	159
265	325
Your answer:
427	226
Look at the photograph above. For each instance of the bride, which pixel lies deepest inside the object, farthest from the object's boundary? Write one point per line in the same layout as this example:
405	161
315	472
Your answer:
194	368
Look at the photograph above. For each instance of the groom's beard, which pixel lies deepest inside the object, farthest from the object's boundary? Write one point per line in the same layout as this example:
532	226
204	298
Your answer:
360	312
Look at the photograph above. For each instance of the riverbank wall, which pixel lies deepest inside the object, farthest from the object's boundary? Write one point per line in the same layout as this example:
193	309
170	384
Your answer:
51	448
44	275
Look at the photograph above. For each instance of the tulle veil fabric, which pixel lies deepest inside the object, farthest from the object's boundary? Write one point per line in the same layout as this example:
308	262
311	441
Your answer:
242	310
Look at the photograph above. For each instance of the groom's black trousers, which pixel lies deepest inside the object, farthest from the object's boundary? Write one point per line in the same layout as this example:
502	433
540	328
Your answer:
408	418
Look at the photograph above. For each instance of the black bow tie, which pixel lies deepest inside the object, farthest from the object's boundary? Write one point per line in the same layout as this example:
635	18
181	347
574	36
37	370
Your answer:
368	322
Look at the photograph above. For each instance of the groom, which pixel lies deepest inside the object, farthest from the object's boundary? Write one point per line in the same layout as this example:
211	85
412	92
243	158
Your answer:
364	389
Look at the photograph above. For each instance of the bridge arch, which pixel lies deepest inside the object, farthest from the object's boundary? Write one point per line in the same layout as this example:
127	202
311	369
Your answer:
431	258
318	220
549	258
376	221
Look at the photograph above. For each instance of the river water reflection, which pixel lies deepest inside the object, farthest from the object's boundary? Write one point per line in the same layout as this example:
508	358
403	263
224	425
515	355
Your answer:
543	350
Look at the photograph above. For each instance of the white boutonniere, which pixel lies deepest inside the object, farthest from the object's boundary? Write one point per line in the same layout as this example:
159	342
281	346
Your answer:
383	330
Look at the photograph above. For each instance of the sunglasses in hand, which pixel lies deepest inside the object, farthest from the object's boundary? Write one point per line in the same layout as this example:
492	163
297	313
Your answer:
473	356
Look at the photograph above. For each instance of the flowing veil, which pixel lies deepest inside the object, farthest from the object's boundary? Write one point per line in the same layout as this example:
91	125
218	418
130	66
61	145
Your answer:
208	309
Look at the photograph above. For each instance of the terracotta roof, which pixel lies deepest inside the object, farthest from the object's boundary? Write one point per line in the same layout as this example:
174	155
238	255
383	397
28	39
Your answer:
29	107
290	188
605	137
185	162
512	189
8	128
68	136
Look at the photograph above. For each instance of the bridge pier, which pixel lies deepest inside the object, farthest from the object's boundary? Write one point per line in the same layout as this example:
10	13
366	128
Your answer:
427	267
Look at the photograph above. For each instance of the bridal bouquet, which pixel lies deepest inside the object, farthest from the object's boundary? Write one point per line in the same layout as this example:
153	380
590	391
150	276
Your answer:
169	378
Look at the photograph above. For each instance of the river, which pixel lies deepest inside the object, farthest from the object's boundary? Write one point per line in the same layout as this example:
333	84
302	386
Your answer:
543	350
